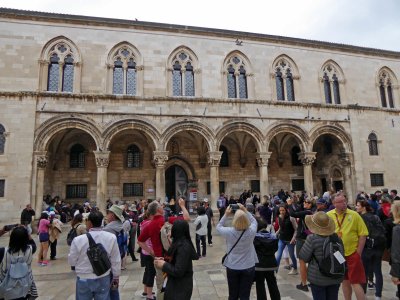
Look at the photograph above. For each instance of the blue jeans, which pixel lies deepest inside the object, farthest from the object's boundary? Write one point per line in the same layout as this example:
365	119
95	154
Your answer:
97	289
372	260
329	292
281	247
239	283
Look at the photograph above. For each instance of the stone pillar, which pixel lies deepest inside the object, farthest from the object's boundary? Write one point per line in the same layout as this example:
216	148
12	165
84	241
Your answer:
160	158
307	159
348	187
213	160
262	162
41	164
102	161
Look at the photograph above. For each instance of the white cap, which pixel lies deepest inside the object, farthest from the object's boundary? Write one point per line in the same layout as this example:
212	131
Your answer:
205	200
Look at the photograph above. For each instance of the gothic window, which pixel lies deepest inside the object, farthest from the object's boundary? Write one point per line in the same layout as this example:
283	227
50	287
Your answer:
183	75
224	157
295	157
133	157
236	78
385	89
284	80
61	65
331	83
2	139
124	72
373	144
77	157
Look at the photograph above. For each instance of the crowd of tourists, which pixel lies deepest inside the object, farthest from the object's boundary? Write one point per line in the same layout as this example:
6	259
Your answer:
329	244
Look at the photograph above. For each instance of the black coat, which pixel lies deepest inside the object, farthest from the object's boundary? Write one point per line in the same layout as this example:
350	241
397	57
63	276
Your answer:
180	272
266	245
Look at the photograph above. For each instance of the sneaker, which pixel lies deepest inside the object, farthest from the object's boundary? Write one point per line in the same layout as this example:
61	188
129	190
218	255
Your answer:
210	245
377	298
293	272
371	285
288	267
302	287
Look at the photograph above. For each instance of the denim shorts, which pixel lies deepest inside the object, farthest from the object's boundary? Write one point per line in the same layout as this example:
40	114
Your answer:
43	237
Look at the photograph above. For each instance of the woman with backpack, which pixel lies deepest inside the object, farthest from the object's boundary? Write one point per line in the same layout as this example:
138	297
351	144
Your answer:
374	246
19	253
324	286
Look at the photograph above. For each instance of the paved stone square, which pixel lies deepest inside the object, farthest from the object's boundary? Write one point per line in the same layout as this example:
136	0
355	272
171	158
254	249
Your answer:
56	281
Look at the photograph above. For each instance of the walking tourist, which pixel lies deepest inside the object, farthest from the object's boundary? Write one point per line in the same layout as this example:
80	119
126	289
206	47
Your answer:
43	231
88	284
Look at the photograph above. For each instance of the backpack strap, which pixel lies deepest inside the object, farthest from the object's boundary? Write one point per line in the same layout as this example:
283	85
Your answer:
92	243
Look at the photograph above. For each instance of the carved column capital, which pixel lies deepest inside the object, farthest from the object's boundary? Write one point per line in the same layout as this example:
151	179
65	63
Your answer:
41	161
307	158
214	158
160	158
263	158
102	158
345	159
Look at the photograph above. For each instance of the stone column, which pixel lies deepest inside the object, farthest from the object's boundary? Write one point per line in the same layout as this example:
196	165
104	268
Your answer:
160	158
102	161
346	164
213	160
41	164
262	162
307	159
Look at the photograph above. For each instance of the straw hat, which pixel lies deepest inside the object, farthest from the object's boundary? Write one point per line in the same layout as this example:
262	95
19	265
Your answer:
117	211
320	223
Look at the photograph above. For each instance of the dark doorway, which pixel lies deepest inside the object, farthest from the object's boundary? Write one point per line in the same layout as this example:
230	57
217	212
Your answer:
338	184
324	185
175	182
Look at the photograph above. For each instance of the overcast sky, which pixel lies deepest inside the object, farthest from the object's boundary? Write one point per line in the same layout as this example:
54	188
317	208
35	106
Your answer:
368	23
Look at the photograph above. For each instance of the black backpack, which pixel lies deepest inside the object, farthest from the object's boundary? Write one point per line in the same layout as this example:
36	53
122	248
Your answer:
98	257
329	266
376	232
72	234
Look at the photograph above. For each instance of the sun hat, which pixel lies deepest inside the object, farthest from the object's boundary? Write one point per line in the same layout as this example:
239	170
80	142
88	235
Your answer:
205	200
117	211
320	223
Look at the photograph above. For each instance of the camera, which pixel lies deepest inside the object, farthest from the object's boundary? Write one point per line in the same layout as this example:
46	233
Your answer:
234	207
10	227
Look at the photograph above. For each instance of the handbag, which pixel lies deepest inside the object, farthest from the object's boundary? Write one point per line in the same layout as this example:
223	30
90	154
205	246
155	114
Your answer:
226	254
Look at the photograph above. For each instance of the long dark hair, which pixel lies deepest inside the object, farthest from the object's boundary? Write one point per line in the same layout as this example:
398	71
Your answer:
180	235
77	219
19	239
44	215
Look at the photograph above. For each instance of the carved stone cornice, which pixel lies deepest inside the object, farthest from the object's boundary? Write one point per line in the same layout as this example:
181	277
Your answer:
140	68
160	158
41	159
263	158
307	158
102	158
214	158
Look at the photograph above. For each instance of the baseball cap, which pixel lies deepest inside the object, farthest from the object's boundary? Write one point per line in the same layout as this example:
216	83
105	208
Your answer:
321	201
205	200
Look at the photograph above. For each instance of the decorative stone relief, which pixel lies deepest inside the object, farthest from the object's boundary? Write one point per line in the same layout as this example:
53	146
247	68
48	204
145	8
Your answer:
102	158
263	158
41	161
214	158
160	158
307	158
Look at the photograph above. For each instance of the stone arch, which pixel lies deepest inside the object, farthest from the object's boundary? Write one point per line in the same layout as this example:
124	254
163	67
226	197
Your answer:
292	128
49	128
336	69
134	50
250	129
135	124
47	49
335	130
285	78
291	64
184	125
183	163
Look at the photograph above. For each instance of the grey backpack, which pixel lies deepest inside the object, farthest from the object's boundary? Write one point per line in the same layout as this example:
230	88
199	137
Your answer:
18	279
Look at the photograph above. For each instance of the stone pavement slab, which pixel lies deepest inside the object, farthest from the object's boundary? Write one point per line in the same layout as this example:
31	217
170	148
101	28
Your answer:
57	281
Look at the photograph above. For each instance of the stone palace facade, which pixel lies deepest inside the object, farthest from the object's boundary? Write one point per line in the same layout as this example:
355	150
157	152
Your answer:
96	108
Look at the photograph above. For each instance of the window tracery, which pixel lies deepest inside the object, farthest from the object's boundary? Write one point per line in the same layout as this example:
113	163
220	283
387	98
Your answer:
283	73
331	84
124	72
61	68
236	78
373	144
183	75
386	89
133	157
